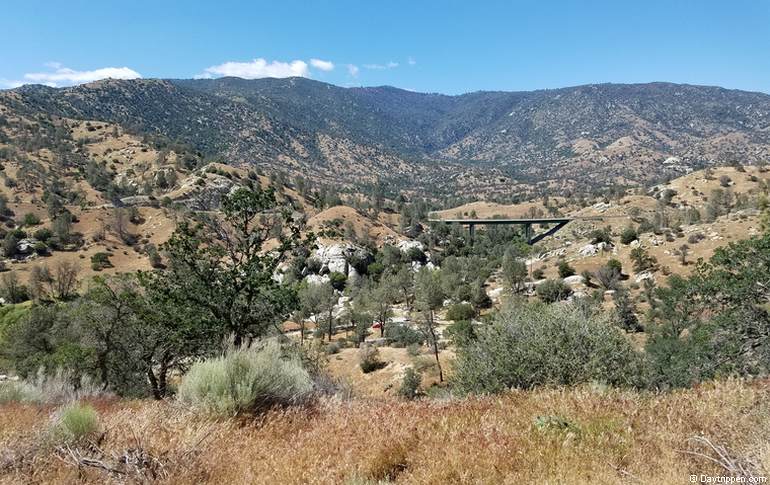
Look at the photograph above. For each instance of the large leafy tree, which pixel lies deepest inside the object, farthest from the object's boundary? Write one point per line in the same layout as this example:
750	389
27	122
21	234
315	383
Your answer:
715	322
223	265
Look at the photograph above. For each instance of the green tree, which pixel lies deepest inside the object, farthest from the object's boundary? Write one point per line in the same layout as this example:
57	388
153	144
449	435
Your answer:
628	235
381	299
219	265
318	300
642	260
429	297
716	321
565	269
514	271
625	311
403	280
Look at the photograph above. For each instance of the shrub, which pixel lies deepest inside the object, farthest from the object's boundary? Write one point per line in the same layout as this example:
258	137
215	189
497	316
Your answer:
18	391
625	312
587	277
460	311
375	269
642	260
553	290
74	423
460	331
538	274
410	384
615	265
360	261
100	261
403	335
43	234
332	348
156	261
30	219
645	226
369	359
313	265
536	344
603	235
607	277
246	379
41	248
337	280
417	255
413	350
59	387
565	269
628	235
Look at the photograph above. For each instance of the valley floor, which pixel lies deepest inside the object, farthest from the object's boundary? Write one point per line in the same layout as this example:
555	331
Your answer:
576	435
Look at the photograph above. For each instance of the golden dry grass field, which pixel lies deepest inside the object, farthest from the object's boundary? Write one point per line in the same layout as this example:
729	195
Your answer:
576	435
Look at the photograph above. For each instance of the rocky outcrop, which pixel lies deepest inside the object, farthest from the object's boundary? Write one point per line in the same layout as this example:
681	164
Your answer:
409	244
593	249
646	275
574	280
337	257
204	192
26	246
138	200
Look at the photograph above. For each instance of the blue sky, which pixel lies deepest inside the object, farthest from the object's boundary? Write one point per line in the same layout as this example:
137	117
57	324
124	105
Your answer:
448	46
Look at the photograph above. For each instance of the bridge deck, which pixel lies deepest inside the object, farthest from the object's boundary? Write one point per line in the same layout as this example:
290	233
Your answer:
527	223
539	220
555	220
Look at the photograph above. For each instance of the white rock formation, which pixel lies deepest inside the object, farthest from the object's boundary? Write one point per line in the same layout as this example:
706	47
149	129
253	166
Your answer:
574	280
314	279
408	244
645	275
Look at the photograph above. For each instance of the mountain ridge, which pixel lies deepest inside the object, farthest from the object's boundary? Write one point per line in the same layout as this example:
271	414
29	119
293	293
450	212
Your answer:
572	138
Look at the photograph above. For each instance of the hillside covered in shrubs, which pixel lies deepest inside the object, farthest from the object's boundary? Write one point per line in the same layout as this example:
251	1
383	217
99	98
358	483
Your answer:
232	359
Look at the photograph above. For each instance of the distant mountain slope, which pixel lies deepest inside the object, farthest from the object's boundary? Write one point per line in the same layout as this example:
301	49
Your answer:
485	142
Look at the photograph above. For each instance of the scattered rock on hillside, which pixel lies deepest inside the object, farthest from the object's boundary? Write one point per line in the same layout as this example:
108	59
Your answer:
589	250
137	200
646	275
204	193
316	279
574	280
26	246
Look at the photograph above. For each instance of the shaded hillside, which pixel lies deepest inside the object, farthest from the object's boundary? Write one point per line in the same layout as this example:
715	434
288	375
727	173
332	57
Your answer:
579	137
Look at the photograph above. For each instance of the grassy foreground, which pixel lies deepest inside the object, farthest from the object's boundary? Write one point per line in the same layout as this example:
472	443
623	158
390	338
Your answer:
576	435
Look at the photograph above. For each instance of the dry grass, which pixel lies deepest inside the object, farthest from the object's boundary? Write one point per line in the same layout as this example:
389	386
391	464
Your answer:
599	437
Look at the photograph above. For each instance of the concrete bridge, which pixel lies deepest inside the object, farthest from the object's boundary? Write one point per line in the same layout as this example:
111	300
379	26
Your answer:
558	223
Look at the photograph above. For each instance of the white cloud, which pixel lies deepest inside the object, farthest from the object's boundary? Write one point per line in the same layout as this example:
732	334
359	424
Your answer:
10	84
411	61
389	65
258	68
64	76
322	65
353	70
